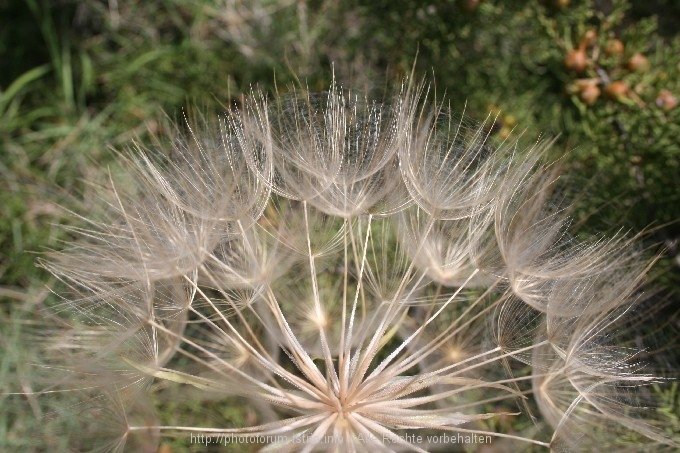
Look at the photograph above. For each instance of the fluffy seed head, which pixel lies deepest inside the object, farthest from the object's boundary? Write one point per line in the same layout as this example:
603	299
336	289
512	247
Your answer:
356	270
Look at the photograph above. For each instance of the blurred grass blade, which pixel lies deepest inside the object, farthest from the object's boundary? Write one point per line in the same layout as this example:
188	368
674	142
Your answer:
22	81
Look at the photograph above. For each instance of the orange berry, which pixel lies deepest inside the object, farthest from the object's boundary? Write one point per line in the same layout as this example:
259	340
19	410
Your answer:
589	94
666	100
587	90
590	38
616	89
637	62
613	47
576	60
469	5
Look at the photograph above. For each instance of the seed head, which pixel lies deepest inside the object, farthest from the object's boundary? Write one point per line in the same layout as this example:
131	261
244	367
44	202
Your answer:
356	270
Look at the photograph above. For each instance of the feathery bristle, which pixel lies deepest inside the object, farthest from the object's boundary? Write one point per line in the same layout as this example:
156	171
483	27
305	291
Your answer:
359	270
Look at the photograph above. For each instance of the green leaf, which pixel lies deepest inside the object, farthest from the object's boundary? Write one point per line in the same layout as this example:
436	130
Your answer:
21	82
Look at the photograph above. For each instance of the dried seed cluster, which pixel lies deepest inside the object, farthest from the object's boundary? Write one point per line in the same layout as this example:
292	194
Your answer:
354	269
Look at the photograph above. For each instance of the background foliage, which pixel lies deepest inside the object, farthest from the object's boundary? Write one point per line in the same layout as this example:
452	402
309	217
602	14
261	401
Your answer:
78	78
